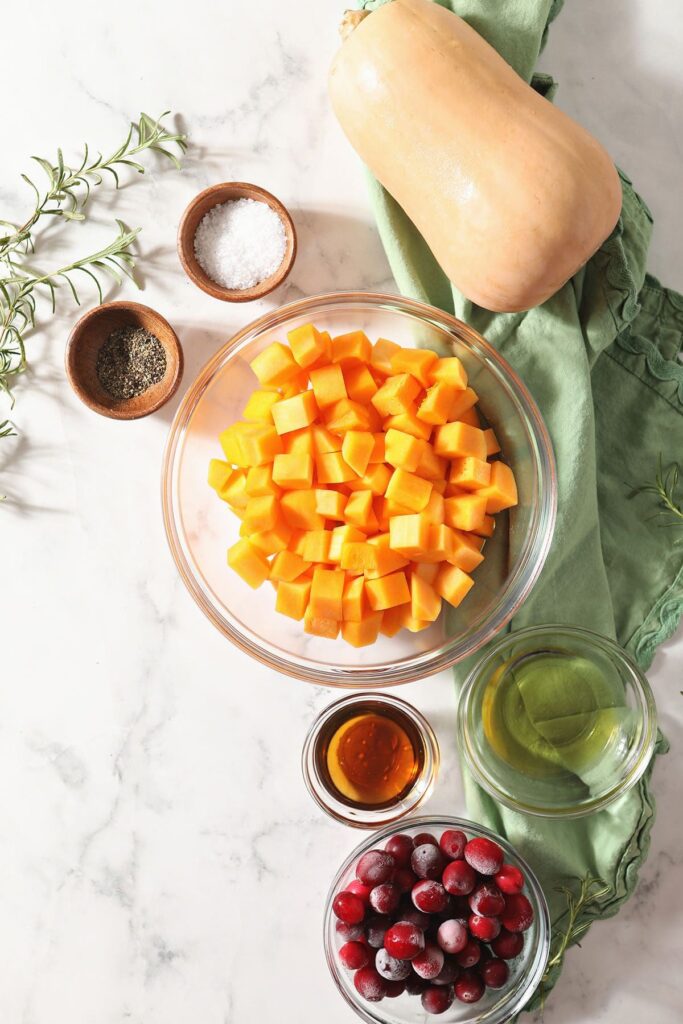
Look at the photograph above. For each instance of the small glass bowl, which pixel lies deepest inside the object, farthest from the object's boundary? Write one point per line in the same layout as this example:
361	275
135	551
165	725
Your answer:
617	746
320	787
495	1006
200	528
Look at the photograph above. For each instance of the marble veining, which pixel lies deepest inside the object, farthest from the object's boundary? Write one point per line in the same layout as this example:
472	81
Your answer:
161	861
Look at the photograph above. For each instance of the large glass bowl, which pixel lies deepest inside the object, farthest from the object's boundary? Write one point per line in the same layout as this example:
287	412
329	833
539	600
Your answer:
495	1006
200	527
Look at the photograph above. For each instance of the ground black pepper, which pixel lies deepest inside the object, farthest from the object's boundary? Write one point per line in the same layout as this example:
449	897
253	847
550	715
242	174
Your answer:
130	361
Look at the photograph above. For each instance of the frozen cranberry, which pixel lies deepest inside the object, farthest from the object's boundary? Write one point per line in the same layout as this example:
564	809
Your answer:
508	945
359	889
487	900
470	954
404	940
415	985
448	973
509	879
452	843
400	847
375	867
424	838
349	932
391	968
484	928
370	984
469	988
404	879
518	913
452	935
494	973
375	930
415	916
427	861
395	988
354	955
348	907
459	878
429	963
429	896
484	855
385	898
437	1000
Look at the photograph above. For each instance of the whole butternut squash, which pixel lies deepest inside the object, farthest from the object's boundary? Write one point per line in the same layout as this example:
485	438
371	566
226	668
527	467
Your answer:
511	195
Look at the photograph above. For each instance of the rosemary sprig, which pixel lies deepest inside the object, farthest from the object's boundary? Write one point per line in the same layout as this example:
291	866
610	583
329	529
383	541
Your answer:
575	922
665	489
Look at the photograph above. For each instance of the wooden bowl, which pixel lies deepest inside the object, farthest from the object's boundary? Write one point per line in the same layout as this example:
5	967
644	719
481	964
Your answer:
189	222
85	341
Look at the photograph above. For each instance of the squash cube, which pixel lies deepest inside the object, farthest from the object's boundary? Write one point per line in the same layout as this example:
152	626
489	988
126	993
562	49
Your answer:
292	598
307	344
357	448
299	442
379	449
261	513
487	527
453	584
330	504
359	510
392	620
388	561
409	490
409	535
260	481
354	603
387	591
332	469
295	413
229	441
425	603
317	625
220	475
354	347
435	511
298	510
363	633
463	402
260	405
327	591
396	395
409	423
382	351
438	403
328	385
469	473
260	443
359	557
273	540
449	371
501	492
464	553
403	451
235	491
347	415
375	479
360	384
249	563
459	439
431	466
492	446
293	472
427	570
316	546
324	441
465	511
288	566
415	361
471	416
341	536
275	365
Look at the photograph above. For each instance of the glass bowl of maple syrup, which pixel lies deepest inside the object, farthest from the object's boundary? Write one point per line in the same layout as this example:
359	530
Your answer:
370	759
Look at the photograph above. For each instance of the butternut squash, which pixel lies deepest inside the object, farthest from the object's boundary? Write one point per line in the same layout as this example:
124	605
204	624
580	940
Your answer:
511	194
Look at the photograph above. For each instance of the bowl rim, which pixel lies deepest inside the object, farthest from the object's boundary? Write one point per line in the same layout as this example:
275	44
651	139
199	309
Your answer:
538	960
638	759
452	650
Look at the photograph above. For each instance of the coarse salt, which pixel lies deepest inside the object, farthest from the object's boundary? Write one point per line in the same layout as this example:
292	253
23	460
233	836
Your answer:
240	243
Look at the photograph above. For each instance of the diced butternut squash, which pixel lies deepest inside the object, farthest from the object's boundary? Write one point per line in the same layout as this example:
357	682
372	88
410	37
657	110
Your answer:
403	451
357	447
318	625
327	591
275	365
292	598
427	570
464	554
328	385
434	511
359	510
464	400
501	492
232	449
259	443
436	406
249	563
354	347
487	527
346	415
220	475
298	509
260	405
415	361
387	591
295	413
354	602
316	545
471	416
409	535
235	491
409	423
293	472
382	352
261	513
360	384
341	536
288	566
332	469
409	490
330	504
396	395
459	439
376	479
425	603
260	480
324	441
449	371
453	584
392	620
431	466
388	561
363	633
469	473
465	511
272	541
307	344
379	449
492	446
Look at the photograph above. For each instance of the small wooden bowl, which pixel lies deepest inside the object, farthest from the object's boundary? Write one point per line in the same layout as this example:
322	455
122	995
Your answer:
85	341
189	222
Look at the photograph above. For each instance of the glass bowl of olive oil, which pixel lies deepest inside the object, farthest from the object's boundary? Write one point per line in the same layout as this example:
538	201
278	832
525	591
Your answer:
556	721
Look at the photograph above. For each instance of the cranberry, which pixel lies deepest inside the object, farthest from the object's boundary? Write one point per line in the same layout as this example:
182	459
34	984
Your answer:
348	907
354	955
469	988
484	928
437	1000
508	945
452	935
459	878
400	847
424	839
349	932
509	879
415	985
518	913
395	988
370	984
494	973
358	889
449	972
404	879
470	954
429	896
389	967
487	900
484	856
452	843
375	930
385	898
375	867
415	916
427	861
404	940
429	963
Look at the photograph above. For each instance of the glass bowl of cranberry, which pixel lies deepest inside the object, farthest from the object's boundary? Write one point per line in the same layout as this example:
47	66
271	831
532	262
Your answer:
441	919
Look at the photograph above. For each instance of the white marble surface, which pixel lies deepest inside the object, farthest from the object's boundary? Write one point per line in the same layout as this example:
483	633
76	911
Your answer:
160	861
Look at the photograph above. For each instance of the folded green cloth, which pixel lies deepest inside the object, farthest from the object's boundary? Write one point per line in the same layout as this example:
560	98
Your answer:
601	359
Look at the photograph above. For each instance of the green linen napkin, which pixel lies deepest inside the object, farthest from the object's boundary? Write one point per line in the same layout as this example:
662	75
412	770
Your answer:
601	359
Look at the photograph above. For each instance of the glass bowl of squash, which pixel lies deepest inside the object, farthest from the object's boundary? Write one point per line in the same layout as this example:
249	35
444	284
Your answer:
361	561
